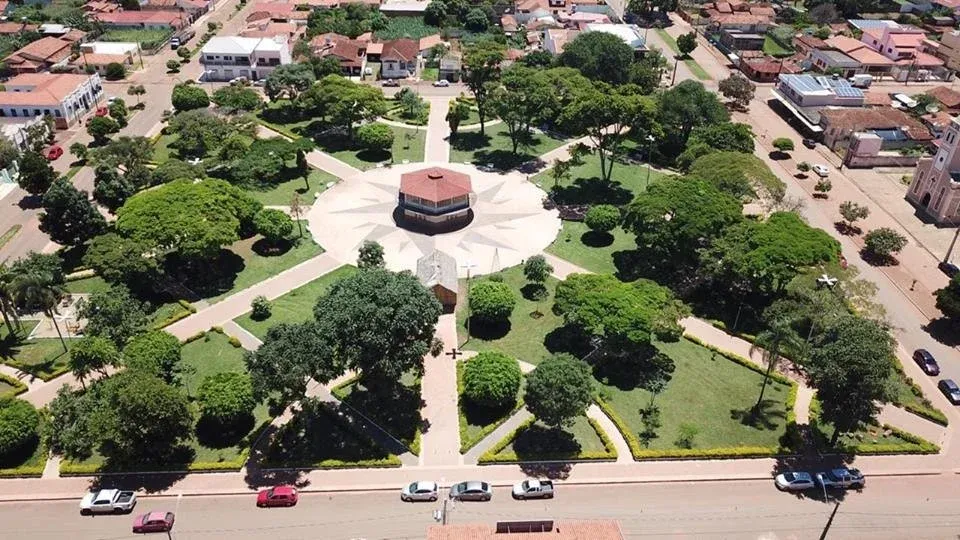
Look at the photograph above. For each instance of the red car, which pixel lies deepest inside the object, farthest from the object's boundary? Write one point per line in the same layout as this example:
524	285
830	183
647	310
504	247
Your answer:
101	111
277	496
54	153
153	522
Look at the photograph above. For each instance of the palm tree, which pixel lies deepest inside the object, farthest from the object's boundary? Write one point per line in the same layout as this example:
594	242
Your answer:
778	336
7	308
38	291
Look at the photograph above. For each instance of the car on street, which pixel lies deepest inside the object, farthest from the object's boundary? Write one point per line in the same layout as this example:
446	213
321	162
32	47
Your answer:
102	111
442	83
926	361
277	496
841	478
810	143
533	489
108	501
949	268
54	153
821	170
391	82
950	389
153	522
473	490
794	481
423	490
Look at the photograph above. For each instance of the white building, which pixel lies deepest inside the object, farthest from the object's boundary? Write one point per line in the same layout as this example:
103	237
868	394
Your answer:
629	33
111	47
228	57
64	96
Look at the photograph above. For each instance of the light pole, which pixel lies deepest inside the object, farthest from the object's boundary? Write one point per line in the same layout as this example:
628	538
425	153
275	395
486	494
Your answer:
468	265
673	79
649	151
946	258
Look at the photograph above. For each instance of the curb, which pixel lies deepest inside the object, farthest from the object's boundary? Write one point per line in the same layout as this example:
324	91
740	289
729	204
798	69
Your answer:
4	499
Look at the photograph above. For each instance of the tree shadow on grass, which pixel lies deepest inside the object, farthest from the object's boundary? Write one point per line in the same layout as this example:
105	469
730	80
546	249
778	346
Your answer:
592	191
212	278
544	443
19	456
765	417
944	331
501	160
479	415
568	338
401	418
469	141
489	330
265	248
534	291
215	434
596	239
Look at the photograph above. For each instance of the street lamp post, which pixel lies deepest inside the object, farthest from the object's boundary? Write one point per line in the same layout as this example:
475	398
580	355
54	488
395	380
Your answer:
649	151
468	265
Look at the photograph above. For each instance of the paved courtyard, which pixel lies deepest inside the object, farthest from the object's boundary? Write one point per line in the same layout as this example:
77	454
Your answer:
509	223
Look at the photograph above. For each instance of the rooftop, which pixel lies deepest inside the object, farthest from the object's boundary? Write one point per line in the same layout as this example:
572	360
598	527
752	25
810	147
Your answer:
838	58
949	97
629	33
437	268
524	530
435	184
881	118
808	85
41	88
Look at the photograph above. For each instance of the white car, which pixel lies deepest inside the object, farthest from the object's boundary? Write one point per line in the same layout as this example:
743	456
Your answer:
424	490
821	170
442	83
794	481
108	501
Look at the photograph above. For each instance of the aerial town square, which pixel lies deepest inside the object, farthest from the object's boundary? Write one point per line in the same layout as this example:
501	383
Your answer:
486	270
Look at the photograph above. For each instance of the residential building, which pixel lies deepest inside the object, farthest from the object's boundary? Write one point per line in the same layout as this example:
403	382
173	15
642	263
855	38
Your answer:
555	39
428	42
577	19
895	129
227	57
830	61
40	55
64	96
269	29
948	98
937	122
767	69
628	33
100	6
935	188
404	8
99	62
905	45
99	54
400	59
739	16
160	19
15	130
450	67
509	24
351	53
810	91
10	28
949	49
735	40
528	530
871	62
804	43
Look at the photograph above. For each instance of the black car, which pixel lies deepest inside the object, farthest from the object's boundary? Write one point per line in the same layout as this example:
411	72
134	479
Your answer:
948	268
810	143
926	361
951	390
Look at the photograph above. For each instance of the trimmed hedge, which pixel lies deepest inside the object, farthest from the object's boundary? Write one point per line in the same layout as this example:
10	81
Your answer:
465	443
925	408
190	310
491	455
793	439
914	445
26	471
780	378
18	386
628	435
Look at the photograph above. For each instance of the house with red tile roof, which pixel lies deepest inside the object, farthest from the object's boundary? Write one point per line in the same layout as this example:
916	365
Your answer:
98	62
947	97
400	59
904	46
40	55
9	28
64	96
871	62
739	16
159	19
351	53
269	29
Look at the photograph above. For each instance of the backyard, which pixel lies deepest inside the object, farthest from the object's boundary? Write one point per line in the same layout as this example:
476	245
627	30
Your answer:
494	147
148	38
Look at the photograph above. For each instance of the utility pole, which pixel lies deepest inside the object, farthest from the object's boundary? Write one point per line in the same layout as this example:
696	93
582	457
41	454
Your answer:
673	79
469	265
946	258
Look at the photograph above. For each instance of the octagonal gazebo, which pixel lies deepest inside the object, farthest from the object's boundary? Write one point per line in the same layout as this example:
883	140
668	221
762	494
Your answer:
435	198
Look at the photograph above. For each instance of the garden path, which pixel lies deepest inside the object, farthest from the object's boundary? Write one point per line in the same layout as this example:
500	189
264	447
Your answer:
438	131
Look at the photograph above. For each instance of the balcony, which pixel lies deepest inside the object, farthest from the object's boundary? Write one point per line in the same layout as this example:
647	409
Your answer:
207	61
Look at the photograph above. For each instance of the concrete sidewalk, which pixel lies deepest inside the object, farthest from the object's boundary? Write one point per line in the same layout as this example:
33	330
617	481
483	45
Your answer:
438	132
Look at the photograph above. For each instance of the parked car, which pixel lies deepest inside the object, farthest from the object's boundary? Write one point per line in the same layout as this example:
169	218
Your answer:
794	481
424	490
102	111
821	170
277	496
533	489
153	522
260	82
111	99
442	83
810	143
391	82
841	478
926	361
948	268
950	389
473	490
54	153
108	501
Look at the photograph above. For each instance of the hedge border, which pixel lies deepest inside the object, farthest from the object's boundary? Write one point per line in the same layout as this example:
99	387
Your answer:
390	461
465	444
19	386
914	445
736	358
490	456
27	471
190	310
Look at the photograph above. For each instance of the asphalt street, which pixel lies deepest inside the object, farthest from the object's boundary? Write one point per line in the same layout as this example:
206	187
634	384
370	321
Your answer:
896	508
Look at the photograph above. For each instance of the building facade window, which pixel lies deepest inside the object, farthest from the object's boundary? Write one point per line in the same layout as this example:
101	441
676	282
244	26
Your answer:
936	205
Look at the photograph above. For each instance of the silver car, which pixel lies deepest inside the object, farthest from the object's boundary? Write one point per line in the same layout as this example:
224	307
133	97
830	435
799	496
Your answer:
473	490
423	490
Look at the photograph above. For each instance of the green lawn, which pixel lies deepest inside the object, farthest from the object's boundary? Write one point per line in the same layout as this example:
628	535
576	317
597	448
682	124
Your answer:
495	148
401	418
281	194
164	314
539	442
859	441
6	388
28	326
206	356
430	74
709	392
771	47
691	64
148	38
408	144
668	39
40	357
295	306
316	437
162	151
9	234
396	115
29	462
525	335
589	250
89	285
476	421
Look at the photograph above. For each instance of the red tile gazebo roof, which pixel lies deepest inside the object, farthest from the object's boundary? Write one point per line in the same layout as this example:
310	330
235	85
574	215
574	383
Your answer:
435	184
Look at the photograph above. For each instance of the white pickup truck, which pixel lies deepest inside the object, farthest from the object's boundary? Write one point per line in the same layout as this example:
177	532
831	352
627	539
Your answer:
533	489
108	501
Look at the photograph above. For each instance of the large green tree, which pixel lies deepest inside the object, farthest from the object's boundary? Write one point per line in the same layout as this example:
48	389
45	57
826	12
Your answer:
520	101
559	390
187	97
113	314
684	107
236	98
289	356
226	397
481	68
125	152
289	81
68	217
492	379
850	367
91	354
121	260
599	56
19	422
156	352
36	174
